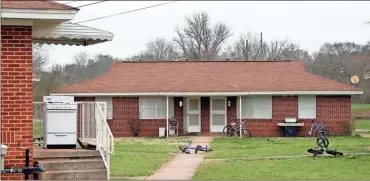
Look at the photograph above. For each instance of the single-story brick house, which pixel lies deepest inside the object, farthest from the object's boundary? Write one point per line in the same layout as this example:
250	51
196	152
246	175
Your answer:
22	24
205	95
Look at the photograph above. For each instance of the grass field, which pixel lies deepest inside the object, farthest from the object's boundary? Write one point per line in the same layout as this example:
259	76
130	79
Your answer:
242	148
37	129
303	168
360	106
328	168
362	124
142	156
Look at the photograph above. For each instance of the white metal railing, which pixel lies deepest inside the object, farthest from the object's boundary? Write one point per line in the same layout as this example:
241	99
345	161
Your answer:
92	127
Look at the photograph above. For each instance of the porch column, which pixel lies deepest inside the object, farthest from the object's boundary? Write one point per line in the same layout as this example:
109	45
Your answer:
167	115
240	115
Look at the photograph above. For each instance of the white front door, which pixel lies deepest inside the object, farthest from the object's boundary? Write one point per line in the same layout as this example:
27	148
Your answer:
218	114
193	105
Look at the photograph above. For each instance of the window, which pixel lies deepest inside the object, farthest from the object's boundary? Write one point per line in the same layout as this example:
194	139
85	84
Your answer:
255	107
307	107
155	107
108	100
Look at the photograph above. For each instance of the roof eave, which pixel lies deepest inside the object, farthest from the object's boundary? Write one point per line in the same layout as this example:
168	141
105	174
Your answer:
210	93
69	34
38	14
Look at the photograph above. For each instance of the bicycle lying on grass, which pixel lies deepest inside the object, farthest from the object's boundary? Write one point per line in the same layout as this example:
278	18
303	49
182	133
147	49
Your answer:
186	149
316	128
234	129
323	143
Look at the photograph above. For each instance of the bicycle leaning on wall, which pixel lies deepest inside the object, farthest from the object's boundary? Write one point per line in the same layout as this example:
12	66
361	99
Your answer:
234	129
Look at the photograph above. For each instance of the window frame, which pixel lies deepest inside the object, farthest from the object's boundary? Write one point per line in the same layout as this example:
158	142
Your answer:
245	100
157	102
313	105
109	102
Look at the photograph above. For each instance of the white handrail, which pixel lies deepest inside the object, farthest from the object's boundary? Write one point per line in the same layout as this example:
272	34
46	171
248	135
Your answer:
104	136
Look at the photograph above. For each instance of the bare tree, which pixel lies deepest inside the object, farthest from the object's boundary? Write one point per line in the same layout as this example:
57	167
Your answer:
198	40
39	58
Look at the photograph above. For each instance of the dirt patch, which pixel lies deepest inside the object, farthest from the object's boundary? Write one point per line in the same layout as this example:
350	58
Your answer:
361	114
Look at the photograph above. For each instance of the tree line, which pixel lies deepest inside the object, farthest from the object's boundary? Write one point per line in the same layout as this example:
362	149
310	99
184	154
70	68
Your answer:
200	40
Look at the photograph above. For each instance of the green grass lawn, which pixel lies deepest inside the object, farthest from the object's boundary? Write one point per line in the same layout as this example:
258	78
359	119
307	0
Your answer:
37	129
142	156
362	124
328	168
360	106
243	148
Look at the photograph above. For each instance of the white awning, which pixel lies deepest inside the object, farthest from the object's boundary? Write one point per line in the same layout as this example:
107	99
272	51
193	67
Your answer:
68	34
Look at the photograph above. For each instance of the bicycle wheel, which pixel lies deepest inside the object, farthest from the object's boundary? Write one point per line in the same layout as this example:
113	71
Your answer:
246	133
230	131
322	142
309	133
329	131
184	150
227	130
206	149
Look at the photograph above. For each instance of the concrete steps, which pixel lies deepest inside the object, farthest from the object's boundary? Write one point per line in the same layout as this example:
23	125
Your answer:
75	175
78	164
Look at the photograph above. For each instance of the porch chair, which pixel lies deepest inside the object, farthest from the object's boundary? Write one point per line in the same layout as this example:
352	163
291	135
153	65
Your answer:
173	127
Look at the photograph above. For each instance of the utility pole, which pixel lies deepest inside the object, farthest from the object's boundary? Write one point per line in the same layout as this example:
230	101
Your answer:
261	47
246	50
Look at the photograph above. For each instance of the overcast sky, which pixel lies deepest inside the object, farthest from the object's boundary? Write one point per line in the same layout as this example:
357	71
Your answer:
308	23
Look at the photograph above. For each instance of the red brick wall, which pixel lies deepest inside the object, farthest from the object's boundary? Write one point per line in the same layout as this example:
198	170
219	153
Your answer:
332	111
16	95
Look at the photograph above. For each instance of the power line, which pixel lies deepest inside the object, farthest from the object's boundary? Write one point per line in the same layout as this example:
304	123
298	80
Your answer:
126	12
90	4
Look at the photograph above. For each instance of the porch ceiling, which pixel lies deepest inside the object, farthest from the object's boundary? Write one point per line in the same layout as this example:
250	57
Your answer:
68	34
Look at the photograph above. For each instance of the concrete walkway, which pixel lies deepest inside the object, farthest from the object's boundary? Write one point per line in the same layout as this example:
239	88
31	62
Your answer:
182	166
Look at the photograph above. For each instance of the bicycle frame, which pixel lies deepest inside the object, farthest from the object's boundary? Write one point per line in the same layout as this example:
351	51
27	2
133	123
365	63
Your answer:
318	127
237	127
192	148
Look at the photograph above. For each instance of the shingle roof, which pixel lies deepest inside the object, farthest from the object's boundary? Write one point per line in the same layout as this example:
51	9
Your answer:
27	4
209	76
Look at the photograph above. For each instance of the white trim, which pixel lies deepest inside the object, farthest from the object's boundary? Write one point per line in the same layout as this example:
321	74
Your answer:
217	112
48	14
194	112
167	135
240	115
17	22
213	93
